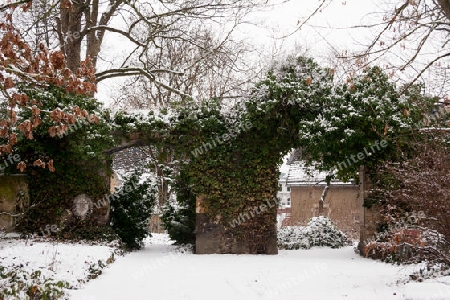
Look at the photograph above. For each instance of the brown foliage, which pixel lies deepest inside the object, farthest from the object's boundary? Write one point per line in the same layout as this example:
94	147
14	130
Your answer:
410	246
19	66
419	184
423	184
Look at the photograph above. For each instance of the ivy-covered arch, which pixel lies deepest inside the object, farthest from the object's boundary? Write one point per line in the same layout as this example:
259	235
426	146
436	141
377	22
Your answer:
229	159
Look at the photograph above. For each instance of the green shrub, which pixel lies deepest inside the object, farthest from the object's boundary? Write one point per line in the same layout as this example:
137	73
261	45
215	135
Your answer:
88	233
131	208
179	217
17	283
80	165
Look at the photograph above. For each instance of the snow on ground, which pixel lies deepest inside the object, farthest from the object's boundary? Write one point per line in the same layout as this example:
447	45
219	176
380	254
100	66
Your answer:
72	263
163	271
160	271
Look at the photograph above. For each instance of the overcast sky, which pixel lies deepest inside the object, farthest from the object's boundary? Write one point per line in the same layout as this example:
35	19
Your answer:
275	28
329	29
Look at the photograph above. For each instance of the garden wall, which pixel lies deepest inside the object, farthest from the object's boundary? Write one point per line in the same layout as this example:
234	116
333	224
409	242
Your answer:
370	217
341	205
214	238
14	198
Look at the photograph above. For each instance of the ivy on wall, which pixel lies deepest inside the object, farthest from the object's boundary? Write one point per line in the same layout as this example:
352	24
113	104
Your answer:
299	104
80	166
231	156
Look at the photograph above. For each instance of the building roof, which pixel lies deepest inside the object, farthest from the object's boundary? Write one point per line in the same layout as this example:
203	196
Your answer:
300	174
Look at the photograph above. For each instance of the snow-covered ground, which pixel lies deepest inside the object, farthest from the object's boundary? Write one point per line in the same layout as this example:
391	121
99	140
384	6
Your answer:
162	271
159	271
73	263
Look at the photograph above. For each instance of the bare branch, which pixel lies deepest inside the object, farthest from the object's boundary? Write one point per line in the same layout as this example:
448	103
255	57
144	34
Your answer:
126	72
424	69
111	29
4	7
389	24
323	4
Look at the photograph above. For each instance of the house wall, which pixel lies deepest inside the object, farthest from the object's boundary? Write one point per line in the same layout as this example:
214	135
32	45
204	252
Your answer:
342	205
155	224
284	195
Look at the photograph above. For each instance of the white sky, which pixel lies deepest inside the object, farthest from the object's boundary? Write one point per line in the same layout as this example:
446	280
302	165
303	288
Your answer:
268	27
330	28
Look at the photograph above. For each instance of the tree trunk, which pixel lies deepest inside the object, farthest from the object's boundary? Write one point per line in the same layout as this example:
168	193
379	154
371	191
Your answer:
445	5
322	198
94	38
70	35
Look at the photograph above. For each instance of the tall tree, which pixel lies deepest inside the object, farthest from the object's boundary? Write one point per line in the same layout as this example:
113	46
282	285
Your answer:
214	68
147	27
408	37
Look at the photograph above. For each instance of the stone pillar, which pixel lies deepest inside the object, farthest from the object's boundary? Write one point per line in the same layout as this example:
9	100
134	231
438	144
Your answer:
362	189
14	199
369	216
212	237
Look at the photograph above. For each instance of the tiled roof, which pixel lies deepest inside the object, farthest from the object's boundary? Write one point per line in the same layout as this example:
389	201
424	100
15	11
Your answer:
299	174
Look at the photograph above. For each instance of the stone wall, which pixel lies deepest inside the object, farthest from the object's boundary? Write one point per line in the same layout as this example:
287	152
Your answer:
370	217
214	238
155	224
14	198
342	205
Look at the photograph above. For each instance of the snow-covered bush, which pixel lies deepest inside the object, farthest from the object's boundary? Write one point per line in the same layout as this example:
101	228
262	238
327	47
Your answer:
410	246
179	216
292	238
320	231
131	209
17	283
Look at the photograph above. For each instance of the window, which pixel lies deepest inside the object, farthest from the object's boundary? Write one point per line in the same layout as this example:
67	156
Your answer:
288	188
288	201
280	187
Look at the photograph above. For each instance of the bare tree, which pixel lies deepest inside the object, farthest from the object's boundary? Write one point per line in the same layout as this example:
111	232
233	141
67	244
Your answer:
417	32
214	68
80	27
410	39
